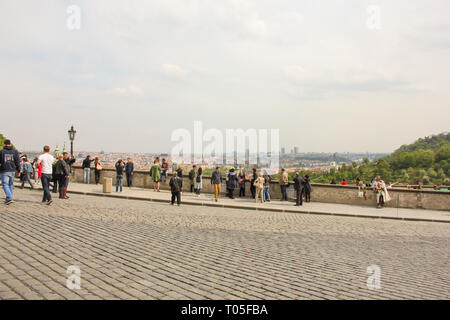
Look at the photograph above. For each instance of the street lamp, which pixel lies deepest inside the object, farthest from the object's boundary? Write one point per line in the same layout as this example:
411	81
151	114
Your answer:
71	137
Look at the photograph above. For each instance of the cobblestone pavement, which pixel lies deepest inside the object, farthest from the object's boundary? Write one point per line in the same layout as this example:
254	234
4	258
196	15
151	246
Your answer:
131	249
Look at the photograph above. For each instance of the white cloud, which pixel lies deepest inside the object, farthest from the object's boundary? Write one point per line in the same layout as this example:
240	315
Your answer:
128	91
173	70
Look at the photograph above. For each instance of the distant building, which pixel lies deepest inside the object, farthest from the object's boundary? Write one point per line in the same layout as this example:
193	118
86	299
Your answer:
295	150
283	151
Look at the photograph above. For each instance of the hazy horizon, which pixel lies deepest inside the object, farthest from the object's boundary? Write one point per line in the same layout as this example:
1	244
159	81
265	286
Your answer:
135	72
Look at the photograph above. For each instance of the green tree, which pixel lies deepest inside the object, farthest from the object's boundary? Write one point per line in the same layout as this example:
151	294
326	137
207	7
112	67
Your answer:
2	140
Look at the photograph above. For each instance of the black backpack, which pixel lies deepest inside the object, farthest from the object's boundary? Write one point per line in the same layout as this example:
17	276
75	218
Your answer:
198	178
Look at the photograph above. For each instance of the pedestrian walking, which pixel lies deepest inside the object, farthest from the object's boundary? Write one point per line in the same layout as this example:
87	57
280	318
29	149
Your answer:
259	187
46	160
87	169
120	167
198	181
97	169
129	170
175	184
9	165
216	182
27	170
62	172
298	186
284	183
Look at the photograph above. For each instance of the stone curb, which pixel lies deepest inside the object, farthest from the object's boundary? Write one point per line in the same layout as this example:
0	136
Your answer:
232	206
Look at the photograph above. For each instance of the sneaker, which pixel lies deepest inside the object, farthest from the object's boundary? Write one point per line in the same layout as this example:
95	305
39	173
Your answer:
9	202
49	202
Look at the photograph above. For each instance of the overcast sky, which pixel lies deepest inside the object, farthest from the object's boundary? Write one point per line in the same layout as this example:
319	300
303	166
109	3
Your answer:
137	70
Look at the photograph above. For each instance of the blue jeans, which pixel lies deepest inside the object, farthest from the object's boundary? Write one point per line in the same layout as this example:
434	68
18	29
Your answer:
266	195
8	184
87	175
46	178
119	182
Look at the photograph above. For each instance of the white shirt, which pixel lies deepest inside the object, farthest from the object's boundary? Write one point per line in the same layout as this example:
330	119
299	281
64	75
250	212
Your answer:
47	161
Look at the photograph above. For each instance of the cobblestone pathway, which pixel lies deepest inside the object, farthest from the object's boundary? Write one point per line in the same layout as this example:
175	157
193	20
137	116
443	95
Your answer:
129	249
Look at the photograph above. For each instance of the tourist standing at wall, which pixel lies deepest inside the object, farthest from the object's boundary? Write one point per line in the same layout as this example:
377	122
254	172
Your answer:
164	169
27	170
266	193
120	167
298	186
242	179
382	194
175	183
192	177
259	185
36	175
129	170
198	181
179	172
87	169
216	182
252	182
361	188
344	182
54	177
155	172
307	188
231	182
62	172
97	170
284	182
46	160
9	164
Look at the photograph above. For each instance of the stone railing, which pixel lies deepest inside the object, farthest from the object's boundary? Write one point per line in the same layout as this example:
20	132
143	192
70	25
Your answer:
401	197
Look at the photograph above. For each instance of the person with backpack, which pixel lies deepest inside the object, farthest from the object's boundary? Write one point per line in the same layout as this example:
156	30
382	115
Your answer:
175	184
198	181
27	170
9	164
192	177
62	173
97	169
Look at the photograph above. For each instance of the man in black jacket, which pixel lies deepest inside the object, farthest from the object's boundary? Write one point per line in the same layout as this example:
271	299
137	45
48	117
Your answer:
87	169
298	186
9	164
175	188
62	173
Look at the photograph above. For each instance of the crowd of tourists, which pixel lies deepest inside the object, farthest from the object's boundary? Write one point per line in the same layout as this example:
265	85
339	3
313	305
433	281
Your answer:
53	172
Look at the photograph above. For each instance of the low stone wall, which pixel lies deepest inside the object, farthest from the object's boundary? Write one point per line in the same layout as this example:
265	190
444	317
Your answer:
401	197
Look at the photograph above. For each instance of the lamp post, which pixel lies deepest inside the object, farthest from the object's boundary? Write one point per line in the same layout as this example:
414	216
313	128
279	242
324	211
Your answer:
71	137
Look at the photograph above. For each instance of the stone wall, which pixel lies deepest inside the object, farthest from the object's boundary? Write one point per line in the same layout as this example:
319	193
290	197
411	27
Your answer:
401	197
